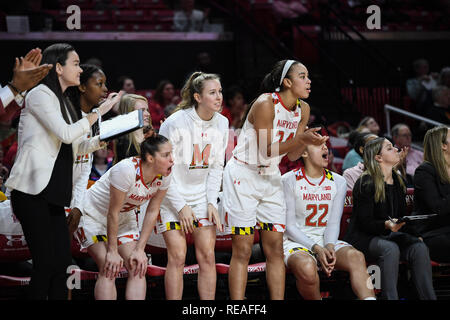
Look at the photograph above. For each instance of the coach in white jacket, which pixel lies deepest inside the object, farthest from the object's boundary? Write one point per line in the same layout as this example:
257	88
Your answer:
41	178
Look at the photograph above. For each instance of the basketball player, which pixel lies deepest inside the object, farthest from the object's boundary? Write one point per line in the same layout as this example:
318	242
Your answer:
199	134
108	228
314	203
252	191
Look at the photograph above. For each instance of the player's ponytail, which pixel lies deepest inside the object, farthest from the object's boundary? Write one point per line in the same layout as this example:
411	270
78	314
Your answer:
273	81
194	85
151	145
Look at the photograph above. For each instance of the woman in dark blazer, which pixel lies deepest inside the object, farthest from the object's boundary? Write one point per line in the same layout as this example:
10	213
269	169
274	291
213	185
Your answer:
378	201
432	193
50	134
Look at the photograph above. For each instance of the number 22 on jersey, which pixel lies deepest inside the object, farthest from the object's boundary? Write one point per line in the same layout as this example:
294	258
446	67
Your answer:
312	211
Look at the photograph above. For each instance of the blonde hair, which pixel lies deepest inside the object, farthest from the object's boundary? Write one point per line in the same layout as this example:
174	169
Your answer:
432	153
373	169
193	85
126	105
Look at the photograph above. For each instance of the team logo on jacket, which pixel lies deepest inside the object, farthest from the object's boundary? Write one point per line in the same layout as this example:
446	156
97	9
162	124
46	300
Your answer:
200	160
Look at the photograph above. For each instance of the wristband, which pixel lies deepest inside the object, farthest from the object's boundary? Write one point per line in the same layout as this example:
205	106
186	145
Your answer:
99	115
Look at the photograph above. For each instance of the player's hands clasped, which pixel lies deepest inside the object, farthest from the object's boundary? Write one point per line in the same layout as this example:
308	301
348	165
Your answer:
326	259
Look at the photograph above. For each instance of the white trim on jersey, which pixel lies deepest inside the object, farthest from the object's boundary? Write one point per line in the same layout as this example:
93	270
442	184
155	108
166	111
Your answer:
331	231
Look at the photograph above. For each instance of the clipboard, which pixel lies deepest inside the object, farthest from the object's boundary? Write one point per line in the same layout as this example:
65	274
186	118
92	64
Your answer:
120	125
417	217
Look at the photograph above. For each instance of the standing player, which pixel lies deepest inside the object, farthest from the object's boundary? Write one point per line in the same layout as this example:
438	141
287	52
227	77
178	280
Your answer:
108	226
314	203
199	134
274	126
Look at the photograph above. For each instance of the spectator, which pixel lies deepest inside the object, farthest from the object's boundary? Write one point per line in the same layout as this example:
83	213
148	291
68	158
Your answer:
189	19
378	202
236	108
41	177
368	124
352	174
204	62
95	61
432	193
354	156
164	102
100	164
126	84
444	77
439	111
419	88
401	136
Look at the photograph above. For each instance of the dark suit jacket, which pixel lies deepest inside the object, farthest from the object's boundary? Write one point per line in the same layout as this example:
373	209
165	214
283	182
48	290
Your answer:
368	217
431	196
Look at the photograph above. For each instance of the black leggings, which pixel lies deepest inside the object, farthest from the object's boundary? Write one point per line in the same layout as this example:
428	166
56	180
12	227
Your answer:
439	246
45	229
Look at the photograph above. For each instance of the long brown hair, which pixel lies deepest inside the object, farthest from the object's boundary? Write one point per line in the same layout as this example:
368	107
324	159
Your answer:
432	153
193	85
126	105
373	169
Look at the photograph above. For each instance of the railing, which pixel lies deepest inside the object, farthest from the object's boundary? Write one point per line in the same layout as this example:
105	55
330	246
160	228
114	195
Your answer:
388	109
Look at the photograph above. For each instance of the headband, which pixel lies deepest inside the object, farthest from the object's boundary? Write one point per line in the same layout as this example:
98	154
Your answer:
286	68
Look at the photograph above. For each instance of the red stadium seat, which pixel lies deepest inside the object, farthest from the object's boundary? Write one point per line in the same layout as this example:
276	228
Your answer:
149	4
83	4
135	16
7	281
75	250
13	248
162	15
95	16
223	268
346	214
155	271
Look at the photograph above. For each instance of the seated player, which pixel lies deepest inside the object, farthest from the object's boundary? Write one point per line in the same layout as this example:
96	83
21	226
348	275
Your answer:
314	203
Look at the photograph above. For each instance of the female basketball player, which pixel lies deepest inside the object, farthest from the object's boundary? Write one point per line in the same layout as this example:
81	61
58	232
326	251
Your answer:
108	226
274	126
199	134
314	203
91	91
